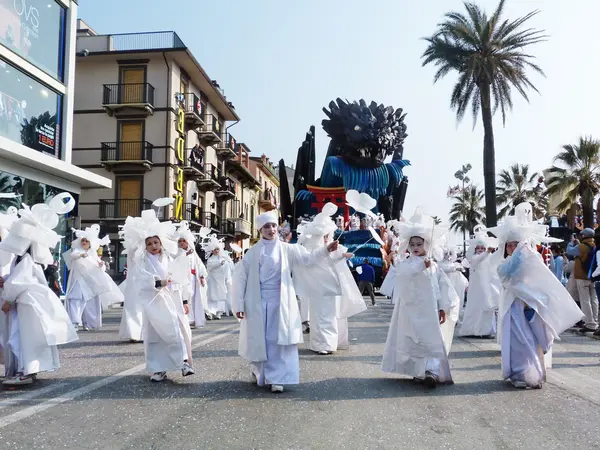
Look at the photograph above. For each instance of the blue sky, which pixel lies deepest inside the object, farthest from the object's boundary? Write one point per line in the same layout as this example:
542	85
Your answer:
280	62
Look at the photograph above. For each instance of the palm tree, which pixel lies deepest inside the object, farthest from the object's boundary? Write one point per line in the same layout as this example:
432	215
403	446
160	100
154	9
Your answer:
488	55
466	212
436	220
516	185
577	176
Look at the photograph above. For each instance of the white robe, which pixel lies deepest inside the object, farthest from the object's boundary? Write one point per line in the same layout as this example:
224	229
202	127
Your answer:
482	298
526	344
166	329
218	271
459	284
387	287
89	288
415	343
264	291
333	297
38	321
133	307
196	295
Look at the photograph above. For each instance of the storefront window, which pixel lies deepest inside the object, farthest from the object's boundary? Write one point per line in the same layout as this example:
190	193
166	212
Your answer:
30	113
34	29
33	192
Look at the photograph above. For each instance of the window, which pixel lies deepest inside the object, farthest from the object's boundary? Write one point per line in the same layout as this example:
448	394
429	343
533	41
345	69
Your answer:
30	112
35	30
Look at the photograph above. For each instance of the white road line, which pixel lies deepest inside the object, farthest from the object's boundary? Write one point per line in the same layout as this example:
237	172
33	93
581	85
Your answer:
29	395
32	410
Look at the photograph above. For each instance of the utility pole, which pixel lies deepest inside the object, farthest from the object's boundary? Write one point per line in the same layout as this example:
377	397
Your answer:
461	175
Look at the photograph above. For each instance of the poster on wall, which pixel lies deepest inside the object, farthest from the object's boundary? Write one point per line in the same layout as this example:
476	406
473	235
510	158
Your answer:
33	29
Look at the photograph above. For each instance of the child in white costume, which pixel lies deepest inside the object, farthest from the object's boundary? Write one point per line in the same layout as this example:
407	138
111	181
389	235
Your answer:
265	301
535	307
328	286
36	321
218	273
159	281
415	343
484	290
197	294
89	287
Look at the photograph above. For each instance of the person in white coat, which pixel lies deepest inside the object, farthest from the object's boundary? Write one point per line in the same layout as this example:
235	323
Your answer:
218	270
37	321
265	302
535	307
159	281
480	312
415	344
89	287
328	285
197	295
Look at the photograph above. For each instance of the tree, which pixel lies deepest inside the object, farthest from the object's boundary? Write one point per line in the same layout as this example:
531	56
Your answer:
516	185
575	176
466	212
488	55
436	220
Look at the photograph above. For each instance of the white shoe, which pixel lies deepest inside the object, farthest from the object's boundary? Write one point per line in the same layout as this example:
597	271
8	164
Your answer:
158	376
19	380
324	352
276	388
187	370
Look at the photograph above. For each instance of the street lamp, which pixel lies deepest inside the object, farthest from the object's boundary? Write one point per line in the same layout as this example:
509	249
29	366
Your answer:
461	175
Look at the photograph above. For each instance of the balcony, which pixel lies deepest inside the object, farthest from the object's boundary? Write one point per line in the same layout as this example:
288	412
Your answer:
243	228
227	228
193	165
226	148
126	155
267	200
220	226
226	189
239	166
210	132
128	98
192	213
122	207
209	179
195	110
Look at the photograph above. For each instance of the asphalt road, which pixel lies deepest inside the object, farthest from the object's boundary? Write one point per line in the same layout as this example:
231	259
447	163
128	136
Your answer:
102	399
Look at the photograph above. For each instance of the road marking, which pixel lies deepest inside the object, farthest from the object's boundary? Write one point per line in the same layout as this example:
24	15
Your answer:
30	395
69	396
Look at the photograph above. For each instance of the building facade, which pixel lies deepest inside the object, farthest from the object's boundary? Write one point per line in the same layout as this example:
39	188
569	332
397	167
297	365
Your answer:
148	117
37	70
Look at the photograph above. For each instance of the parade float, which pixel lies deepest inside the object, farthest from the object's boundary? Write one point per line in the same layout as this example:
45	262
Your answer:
363	137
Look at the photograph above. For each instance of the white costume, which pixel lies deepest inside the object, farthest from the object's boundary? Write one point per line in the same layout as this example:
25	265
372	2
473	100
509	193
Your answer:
197	272
484	290
328	285
535	307
415	344
263	290
166	329
459	283
37	322
133	309
89	286
218	270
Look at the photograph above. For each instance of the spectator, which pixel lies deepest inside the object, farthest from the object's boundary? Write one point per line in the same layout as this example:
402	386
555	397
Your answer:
366	278
51	274
583	252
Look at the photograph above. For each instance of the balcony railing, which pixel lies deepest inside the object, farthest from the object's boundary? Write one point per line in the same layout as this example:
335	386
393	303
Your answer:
268	198
146	41
210	132
194	157
218	224
210	176
243	227
128	94
228	227
227	146
192	213
192	105
126	151
227	184
123	207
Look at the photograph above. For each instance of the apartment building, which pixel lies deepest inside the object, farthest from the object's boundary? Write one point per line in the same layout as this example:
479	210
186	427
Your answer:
148	117
37	69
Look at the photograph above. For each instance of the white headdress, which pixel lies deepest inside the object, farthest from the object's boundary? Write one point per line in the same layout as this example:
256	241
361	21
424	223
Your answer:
137	229
7	219
421	225
34	229
212	243
265	218
184	232
521	227
481	238
91	234
320	226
